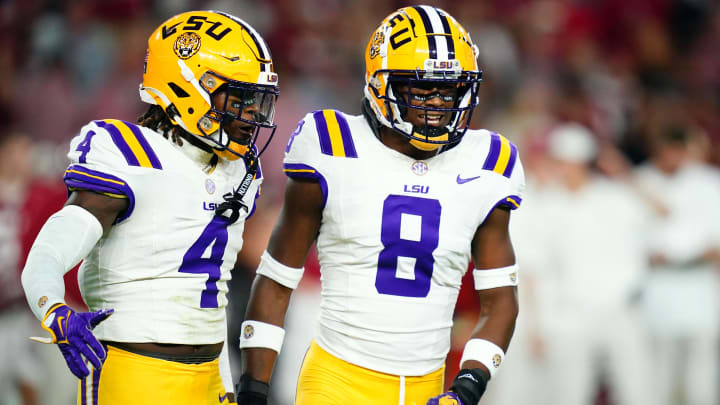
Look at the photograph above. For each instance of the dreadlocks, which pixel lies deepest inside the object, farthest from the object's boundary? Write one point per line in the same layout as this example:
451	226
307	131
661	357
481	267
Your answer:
156	119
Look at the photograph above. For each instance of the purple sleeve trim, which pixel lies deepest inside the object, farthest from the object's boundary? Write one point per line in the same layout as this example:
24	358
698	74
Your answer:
302	171
77	176
505	202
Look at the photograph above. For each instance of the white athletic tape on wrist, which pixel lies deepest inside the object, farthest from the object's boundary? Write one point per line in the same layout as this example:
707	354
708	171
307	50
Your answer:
493	278
282	274
484	351
66	238
261	334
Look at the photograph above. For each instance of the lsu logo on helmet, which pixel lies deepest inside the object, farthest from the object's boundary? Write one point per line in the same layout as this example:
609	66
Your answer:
187	45
377	41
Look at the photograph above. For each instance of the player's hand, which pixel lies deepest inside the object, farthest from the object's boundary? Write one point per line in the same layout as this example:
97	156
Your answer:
72	332
447	398
466	389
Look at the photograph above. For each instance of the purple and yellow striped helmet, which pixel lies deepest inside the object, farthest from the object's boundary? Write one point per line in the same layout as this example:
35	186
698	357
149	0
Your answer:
413	46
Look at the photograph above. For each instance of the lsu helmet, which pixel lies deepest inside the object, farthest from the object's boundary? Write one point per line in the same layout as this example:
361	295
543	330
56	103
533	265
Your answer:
421	47
192	56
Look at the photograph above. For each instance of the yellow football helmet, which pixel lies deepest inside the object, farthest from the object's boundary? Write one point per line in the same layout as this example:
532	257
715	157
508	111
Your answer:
421	47
192	56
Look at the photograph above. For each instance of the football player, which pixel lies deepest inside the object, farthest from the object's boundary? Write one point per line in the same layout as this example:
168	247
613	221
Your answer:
158	222
398	200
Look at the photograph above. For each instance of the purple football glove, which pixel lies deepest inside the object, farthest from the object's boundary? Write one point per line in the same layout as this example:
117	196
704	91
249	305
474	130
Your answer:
446	398
72	331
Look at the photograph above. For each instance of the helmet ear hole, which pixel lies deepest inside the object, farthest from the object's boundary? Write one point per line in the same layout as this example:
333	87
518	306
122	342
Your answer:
179	92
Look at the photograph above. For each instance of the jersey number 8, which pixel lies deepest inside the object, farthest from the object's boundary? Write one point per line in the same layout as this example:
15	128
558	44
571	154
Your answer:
386	280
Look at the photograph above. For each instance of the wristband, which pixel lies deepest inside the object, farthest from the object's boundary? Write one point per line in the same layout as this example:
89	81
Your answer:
484	351
261	334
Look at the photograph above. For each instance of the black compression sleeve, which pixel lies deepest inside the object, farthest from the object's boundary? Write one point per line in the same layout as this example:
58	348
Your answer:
251	391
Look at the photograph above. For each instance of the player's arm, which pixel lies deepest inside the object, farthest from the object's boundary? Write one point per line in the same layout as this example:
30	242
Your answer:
294	233
65	239
495	277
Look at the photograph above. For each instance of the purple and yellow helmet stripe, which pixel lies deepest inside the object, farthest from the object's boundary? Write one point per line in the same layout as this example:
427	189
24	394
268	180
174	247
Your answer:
435	25
334	133
502	156
132	143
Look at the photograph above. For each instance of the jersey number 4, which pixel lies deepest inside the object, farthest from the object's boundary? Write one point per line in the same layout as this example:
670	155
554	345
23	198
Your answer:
419	246
215	234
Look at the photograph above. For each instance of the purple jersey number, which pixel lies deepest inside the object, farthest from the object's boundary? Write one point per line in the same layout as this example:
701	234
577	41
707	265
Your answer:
386	280
216	234
84	146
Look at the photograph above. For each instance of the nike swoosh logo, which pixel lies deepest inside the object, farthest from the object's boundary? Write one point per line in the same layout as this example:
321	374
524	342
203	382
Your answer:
233	59
59	321
460	180
222	398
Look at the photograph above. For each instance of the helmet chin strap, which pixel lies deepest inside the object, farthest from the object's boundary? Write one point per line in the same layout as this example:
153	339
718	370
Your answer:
240	150
234	200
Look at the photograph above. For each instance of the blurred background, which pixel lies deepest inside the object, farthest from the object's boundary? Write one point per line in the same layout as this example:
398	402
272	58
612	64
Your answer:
614	106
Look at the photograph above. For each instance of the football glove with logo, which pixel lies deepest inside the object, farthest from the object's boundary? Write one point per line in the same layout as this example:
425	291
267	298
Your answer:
466	389
447	398
72	332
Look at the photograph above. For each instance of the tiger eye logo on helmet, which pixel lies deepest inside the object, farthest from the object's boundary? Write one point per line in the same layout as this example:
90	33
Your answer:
377	41
187	45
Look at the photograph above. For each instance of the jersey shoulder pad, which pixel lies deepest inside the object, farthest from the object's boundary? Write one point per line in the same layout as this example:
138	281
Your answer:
102	155
320	136
497	153
501	157
114	145
323	132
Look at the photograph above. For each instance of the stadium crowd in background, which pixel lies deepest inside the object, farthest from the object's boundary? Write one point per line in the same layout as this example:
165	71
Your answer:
628	71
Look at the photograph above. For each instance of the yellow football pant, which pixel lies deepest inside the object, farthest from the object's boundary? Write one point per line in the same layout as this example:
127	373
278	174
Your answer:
128	378
327	380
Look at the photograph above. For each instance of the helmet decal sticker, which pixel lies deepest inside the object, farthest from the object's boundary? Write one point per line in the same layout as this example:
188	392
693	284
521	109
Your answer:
187	45
377	41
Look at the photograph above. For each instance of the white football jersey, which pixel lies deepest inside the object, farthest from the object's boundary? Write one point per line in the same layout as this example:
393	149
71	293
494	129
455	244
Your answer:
164	265
396	235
